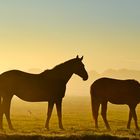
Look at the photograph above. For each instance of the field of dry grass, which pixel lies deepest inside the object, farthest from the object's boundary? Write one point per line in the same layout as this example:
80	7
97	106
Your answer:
29	119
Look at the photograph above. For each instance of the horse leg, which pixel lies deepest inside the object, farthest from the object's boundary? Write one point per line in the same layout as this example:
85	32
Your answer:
103	113
134	115
95	108
59	113
6	109
1	113
50	108
129	120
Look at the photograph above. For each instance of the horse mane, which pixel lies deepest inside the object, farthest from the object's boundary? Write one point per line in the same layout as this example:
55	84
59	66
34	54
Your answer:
64	64
58	67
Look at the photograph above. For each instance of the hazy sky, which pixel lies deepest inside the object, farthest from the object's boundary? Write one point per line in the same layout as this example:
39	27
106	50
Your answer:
43	33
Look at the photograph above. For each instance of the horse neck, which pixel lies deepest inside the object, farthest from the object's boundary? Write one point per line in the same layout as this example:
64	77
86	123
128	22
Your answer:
63	72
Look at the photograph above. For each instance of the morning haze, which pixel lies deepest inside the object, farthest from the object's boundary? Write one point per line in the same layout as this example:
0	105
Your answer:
37	35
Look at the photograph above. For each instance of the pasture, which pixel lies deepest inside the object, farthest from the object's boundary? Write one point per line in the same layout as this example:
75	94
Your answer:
29	119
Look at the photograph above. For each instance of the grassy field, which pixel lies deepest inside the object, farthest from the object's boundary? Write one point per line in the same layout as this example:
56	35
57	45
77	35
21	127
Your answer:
29	119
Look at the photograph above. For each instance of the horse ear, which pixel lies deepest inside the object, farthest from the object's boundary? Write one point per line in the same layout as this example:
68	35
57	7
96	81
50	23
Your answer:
77	56
81	58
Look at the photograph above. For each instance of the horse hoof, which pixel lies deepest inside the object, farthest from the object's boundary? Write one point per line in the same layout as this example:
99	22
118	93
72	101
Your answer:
137	129
109	129
47	128
11	128
61	128
1	128
96	127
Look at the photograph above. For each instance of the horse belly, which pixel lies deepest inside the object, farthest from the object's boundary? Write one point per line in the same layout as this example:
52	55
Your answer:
40	93
32	96
113	95
117	101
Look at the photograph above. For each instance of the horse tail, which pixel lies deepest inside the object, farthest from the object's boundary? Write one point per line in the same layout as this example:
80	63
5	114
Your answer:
95	104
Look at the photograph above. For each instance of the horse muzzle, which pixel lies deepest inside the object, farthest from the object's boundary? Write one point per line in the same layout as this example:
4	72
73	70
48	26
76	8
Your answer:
85	78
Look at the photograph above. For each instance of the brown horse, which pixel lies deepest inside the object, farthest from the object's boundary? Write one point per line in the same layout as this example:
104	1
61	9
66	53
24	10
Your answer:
49	85
117	92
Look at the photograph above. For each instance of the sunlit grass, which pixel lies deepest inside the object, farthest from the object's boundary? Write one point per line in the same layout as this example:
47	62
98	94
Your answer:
29	119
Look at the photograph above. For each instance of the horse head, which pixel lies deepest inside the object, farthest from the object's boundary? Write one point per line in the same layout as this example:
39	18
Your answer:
79	68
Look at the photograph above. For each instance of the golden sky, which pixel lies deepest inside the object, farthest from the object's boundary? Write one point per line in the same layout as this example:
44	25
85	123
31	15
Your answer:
44	33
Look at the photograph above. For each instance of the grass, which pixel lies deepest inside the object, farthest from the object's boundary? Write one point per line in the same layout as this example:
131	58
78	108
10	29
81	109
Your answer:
29	118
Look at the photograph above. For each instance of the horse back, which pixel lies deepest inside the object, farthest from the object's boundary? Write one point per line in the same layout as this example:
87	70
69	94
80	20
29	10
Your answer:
116	91
31	87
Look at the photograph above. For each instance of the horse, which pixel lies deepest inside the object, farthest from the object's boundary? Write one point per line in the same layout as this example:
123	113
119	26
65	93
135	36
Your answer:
49	86
115	91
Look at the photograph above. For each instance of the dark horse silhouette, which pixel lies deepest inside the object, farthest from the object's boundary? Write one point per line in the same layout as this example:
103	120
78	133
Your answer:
117	92
49	85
